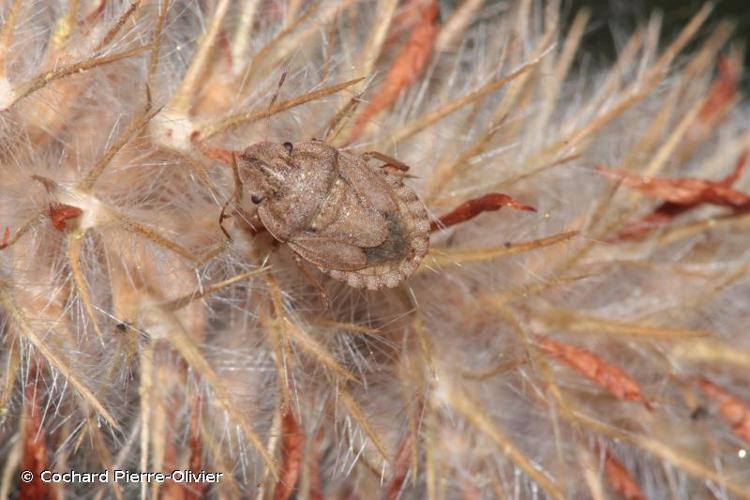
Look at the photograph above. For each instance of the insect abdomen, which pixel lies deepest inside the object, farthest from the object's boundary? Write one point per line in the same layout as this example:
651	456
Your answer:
403	249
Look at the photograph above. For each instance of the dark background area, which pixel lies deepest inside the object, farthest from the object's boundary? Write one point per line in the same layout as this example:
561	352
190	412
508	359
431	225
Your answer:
612	20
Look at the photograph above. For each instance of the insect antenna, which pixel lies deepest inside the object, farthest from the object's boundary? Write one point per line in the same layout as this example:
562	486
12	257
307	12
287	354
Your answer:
275	98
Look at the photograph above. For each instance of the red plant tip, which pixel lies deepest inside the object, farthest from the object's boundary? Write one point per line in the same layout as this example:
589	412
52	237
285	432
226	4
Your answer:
739	168
60	213
679	196
620	480
406	68
292	447
195	462
735	412
603	373
221	155
682	191
35	453
640	228
97	11
471	208
6	238
401	464
720	94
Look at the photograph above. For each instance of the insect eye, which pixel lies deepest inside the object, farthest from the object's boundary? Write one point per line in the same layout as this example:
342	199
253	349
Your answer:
289	147
256	199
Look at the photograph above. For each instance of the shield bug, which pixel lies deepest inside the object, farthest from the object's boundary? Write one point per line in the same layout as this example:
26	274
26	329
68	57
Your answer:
357	223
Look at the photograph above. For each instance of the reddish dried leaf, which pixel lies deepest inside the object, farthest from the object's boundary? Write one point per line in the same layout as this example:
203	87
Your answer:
171	489
734	411
686	191
195	435
720	94
222	155
661	215
405	18
195	490
184	490
400	467
34	448
59	213
292	447
470	209
6	238
739	168
680	196
471	491
407	66
620	480
95	13
604	374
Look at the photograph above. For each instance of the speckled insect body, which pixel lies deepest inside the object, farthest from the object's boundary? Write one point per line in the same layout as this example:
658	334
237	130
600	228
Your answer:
358	223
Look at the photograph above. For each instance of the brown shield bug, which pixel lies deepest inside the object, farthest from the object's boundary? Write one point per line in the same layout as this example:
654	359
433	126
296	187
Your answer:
357	223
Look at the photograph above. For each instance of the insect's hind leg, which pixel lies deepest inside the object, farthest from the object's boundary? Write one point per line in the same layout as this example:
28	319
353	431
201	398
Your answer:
388	161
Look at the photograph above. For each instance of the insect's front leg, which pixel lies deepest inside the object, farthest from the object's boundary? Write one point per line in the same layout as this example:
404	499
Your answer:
236	196
222	217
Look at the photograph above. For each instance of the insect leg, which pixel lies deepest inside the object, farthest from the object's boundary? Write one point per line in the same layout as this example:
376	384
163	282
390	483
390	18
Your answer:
387	160
312	279
222	216
236	195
